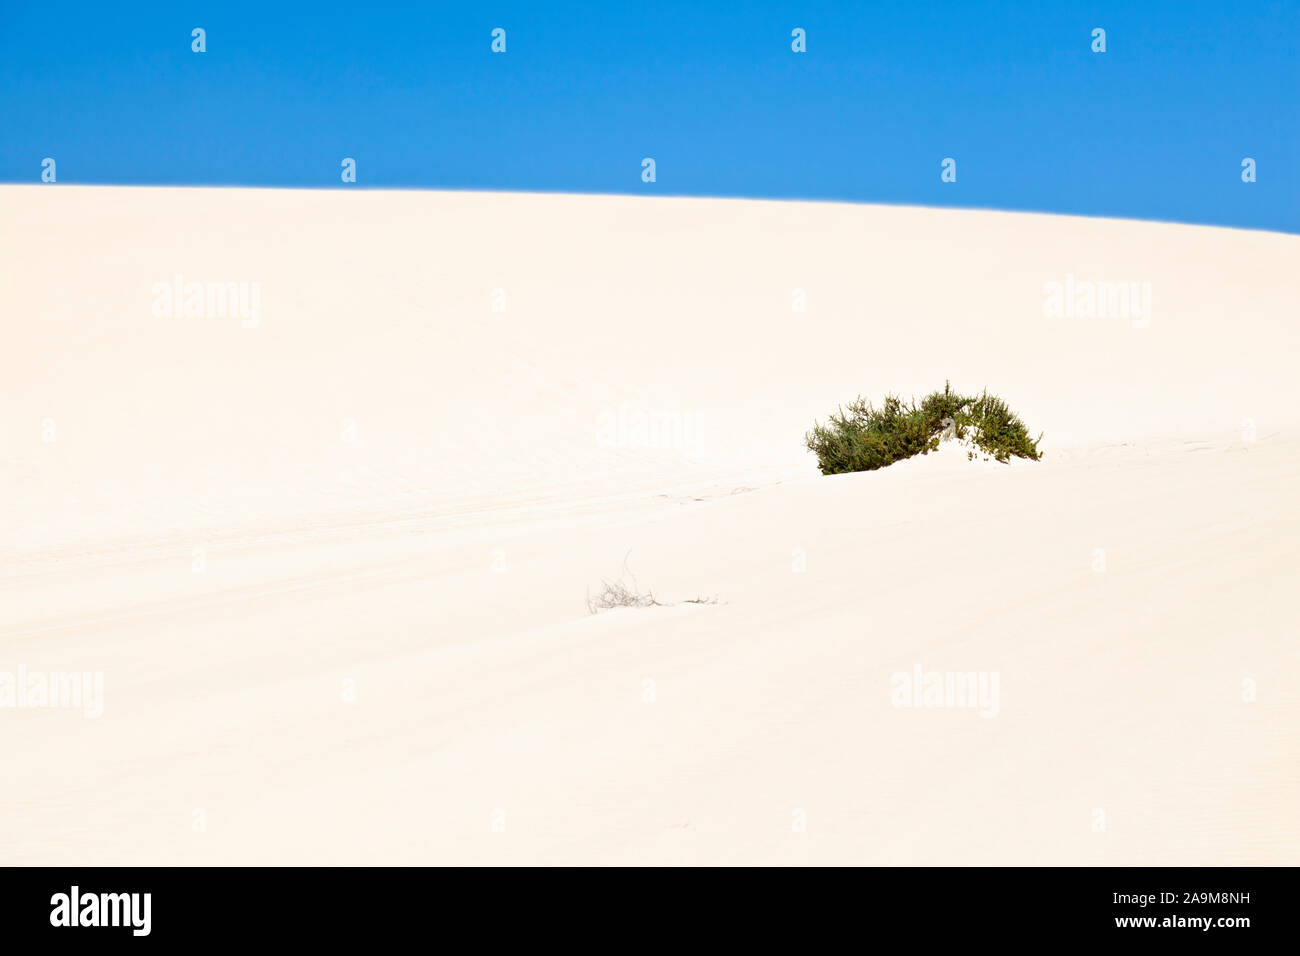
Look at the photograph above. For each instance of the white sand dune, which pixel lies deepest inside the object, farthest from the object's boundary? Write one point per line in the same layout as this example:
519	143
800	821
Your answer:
332	568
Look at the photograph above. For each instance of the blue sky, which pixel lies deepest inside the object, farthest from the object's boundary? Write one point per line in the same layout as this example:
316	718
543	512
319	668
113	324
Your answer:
1154	128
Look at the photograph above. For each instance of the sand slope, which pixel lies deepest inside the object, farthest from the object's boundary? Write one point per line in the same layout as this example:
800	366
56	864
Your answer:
332	567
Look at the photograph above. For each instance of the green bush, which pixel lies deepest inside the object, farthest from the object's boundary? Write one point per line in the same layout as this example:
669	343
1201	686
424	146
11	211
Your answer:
862	437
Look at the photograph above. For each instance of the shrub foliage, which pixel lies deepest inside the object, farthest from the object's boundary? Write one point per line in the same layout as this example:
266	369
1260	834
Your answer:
862	437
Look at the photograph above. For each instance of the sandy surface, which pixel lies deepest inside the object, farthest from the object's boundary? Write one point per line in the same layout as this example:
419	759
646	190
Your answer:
331	565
